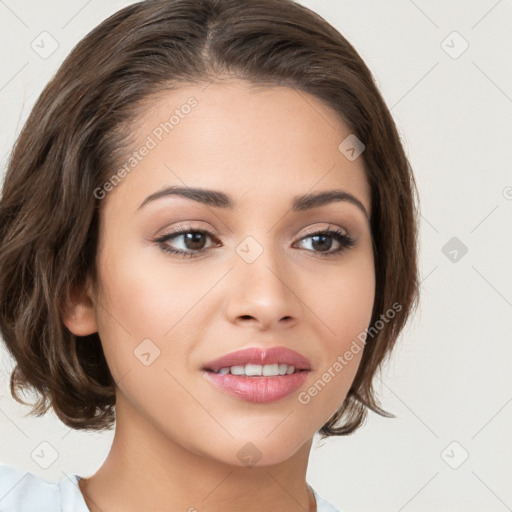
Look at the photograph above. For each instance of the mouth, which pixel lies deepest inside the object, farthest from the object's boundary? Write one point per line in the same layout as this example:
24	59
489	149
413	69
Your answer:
257	375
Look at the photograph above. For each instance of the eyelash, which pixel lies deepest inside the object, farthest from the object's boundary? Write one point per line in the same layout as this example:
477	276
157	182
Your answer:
345	241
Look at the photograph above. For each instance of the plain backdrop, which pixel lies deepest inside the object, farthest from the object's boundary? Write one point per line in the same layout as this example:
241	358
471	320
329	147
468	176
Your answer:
444	71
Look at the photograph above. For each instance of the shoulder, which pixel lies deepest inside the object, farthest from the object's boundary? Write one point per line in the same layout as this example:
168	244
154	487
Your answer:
22	491
322	505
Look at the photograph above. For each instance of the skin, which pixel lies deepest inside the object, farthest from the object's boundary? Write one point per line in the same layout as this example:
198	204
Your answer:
177	436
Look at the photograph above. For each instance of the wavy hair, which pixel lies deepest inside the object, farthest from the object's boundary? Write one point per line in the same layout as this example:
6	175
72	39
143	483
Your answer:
66	150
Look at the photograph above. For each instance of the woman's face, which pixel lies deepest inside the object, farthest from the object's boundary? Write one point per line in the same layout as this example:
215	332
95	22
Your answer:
250	273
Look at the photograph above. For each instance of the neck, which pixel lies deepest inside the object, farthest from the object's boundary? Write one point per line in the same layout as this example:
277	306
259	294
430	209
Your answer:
146	470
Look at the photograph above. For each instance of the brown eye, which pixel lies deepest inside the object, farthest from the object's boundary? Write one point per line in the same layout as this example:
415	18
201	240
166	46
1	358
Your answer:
192	241
322	241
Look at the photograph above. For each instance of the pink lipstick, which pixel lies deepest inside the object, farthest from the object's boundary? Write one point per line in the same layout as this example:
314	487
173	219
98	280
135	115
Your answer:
259	375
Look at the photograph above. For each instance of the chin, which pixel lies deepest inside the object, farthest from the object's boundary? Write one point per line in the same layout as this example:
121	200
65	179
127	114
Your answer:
255	449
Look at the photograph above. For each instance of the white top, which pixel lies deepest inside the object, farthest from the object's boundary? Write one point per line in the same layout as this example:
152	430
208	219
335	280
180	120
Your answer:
21	491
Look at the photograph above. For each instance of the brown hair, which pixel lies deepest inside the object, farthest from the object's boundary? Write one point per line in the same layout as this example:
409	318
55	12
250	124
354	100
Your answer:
49	213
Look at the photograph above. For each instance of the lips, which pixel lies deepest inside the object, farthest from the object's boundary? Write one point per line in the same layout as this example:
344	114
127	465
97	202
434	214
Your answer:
250	374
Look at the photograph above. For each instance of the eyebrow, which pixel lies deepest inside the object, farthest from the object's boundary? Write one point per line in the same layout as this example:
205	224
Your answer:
221	200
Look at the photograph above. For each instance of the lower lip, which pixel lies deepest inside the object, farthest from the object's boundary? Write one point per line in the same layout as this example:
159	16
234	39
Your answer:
258	389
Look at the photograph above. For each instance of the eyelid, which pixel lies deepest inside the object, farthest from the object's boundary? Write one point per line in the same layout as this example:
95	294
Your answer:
184	228
330	227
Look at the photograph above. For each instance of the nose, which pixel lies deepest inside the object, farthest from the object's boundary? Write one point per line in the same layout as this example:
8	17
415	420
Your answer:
261	294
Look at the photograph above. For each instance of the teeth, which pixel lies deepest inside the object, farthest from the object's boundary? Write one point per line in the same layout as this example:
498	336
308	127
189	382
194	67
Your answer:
252	370
270	370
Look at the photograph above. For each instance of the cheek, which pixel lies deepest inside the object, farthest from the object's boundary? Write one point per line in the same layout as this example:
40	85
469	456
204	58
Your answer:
345	299
345	307
141	311
148	296
149	306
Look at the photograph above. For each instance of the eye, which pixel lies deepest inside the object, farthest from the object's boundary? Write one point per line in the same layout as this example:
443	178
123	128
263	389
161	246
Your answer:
193	241
322	241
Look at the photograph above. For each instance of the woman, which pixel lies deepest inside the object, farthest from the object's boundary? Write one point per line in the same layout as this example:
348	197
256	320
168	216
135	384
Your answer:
208	240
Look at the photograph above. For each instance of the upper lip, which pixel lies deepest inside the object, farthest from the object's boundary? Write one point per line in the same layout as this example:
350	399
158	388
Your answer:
262	356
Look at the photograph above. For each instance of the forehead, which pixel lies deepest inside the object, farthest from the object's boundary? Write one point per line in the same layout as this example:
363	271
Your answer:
244	139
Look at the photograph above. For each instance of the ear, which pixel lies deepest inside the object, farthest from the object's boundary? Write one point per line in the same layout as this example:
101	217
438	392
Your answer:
79	312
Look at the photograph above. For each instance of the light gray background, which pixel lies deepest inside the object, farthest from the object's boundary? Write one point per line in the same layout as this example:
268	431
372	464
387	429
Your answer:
449	381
